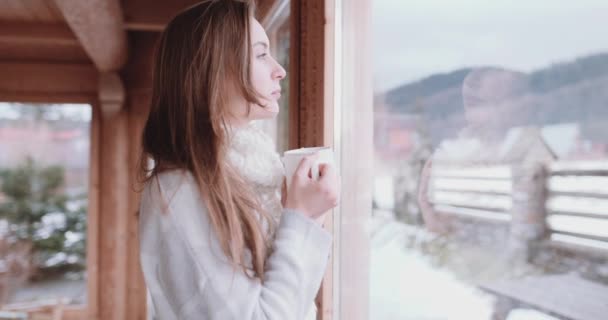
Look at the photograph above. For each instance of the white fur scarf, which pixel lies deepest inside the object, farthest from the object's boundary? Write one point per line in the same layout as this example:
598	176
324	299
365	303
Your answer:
252	152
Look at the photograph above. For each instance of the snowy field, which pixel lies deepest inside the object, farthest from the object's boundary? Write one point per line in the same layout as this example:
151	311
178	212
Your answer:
404	285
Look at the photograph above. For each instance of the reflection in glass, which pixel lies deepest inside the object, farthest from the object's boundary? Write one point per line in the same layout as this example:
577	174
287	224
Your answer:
278	30
491	169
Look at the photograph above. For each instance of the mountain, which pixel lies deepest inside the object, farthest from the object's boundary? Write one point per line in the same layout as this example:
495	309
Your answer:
408	93
564	74
574	91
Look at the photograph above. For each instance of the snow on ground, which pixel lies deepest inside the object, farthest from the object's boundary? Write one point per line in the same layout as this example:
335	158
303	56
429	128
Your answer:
74	290
526	314
404	285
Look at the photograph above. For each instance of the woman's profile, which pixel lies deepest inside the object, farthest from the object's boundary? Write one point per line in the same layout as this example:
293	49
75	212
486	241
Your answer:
220	237
488	95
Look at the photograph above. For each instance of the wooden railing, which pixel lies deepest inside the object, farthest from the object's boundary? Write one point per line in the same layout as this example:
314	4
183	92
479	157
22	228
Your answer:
566	203
479	192
577	204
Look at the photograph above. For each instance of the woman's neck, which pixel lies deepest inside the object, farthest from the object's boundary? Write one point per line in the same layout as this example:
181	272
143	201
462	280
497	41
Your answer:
237	123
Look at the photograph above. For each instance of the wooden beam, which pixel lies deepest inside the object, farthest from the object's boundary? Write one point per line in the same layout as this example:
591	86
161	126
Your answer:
98	24
35	81
29	10
43	53
12	33
145	15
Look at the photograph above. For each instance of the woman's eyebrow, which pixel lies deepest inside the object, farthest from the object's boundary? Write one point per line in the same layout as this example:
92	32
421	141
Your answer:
262	43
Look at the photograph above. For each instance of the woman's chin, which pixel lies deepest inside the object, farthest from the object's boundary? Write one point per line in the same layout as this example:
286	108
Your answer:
271	110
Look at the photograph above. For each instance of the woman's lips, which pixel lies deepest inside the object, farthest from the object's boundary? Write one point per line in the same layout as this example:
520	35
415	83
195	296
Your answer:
276	94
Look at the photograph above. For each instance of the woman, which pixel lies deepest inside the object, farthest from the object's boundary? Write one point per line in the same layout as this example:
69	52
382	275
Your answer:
489	96
218	240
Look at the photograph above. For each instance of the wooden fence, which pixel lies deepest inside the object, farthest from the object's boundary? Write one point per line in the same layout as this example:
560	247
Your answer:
563	204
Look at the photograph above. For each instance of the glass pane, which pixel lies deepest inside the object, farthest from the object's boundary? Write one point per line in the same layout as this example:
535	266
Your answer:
44	180
279	36
491	159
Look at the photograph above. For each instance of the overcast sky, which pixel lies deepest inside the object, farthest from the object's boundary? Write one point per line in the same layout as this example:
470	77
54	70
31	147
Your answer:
417	38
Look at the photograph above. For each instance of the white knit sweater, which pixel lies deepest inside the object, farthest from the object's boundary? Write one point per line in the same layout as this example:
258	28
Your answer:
186	272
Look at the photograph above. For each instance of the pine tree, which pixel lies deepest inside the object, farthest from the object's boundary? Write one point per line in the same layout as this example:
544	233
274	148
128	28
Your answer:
40	212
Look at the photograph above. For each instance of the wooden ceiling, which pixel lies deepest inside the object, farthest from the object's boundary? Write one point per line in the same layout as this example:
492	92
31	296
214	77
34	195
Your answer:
30	11
82	50
37	30
34	31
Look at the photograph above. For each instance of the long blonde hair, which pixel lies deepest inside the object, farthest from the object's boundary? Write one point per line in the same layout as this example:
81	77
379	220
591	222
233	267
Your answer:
202	51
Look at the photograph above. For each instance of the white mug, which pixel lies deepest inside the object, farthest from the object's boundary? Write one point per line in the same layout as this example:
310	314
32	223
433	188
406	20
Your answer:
292	158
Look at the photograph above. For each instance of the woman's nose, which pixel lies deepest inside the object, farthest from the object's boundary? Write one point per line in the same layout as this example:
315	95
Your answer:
279	72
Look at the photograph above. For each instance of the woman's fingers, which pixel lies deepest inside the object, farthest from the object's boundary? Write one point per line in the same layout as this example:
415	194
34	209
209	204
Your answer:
326	170
305	165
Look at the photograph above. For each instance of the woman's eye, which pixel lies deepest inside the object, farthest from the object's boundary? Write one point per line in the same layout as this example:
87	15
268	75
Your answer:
262	55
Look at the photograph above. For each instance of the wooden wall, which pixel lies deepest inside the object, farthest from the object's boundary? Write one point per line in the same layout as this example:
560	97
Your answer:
116	288
115	284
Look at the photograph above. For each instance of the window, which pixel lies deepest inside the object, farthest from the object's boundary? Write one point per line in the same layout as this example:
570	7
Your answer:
490	158
44	181
277	25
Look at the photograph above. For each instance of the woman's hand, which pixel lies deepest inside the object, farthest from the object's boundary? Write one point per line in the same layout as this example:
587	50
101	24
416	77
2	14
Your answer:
314	198
432	221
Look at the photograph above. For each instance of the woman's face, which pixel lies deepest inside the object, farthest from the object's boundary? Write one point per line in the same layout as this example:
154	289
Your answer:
266	73
487	104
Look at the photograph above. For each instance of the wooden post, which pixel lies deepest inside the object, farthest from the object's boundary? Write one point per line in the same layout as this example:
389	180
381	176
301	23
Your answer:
139	102
311	93
113	217
93	229
118	291
528	214
308	62
138	82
